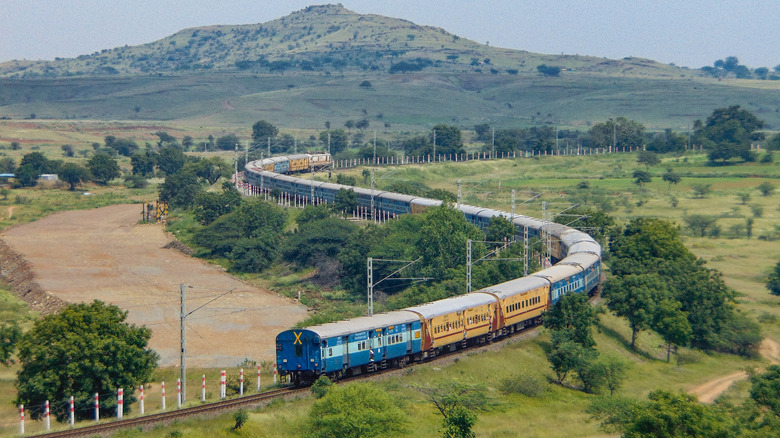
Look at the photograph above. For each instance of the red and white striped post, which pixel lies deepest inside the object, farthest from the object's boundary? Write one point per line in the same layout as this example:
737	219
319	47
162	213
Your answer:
72	413
120	403
47	419
141	400
162	385
21	419
222	383
178	393
274	373
203	390
258	378
241	383
97	407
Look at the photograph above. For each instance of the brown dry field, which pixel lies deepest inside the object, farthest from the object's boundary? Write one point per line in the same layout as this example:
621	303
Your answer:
104	254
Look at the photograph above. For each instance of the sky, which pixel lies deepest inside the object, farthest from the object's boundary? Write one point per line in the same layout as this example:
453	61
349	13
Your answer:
691	33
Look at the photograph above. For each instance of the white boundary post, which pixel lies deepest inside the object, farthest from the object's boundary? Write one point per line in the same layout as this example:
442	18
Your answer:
258	378
46	415
97	407
162	385
72	413
241	384
178	393
21	419
222	384
142	399
274	374
203	390
120	403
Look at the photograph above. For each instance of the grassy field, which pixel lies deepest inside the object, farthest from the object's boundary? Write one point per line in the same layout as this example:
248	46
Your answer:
743	262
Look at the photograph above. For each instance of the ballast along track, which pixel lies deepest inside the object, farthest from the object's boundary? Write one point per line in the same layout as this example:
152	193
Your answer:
168	416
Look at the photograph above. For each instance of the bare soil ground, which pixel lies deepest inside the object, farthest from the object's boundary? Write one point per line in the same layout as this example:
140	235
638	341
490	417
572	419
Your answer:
709	391
104	254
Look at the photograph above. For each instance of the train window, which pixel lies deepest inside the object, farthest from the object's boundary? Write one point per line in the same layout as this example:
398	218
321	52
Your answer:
298	350
330	352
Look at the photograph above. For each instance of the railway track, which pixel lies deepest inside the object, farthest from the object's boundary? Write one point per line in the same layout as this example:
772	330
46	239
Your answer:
254	400
152	420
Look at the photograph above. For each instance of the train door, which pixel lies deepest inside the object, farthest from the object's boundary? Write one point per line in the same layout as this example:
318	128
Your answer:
345	341
409	337
372	345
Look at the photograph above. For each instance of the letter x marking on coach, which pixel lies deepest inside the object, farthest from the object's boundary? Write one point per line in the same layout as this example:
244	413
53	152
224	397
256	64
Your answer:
297	338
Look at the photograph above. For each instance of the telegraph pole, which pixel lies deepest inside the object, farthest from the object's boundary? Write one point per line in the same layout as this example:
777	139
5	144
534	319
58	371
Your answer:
370	284
459	194
374	147
235	166
493	143
434	145
182	333
468	266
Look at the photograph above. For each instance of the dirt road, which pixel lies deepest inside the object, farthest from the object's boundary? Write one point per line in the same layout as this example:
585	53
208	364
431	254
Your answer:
104	254
709	391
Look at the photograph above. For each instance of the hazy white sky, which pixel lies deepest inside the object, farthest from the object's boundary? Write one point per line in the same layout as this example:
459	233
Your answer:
689	33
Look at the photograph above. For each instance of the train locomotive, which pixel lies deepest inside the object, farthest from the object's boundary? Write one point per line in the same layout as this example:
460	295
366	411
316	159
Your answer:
366	344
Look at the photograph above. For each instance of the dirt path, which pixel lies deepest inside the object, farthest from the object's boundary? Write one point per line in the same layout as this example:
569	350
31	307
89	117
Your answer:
709	391
104	254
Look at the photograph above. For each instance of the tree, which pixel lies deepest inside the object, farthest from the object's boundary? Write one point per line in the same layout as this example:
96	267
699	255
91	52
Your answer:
701	190
212	169
209	206
74	174
181	188
143	163
635	298
773	281
338	140
166	140
458	423
574	316
448	139
27	176
227	142
170	160
82	350
672	415
667	141
442	240
621	132
766	188
262	131
365	85
671	177
358	410
672	324
700	223
321	387
641	177
124	146
548	70
567	355
9	336
345	201
38	162
499	229
765	389
728	132
103	168
648	158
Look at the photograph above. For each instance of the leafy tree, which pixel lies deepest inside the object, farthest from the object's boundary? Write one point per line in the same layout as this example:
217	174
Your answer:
635	298
675	416
9	337
567	355
365	85
442	240
574	317
499	229
358	410
667	141
7	165
212	169
601	372
180	189
448	140
699	224
170	159
313	213
124	146
623	132
648	158
641	177
773	281
262	131
166	140
765	389
321	387
549	70
458	423
338	140
672	324
318	240
227	142
38	162
103	168
728	132
143	163
187	142
241	416
74	174
209	205
766	188
774	143
345	201
362	124
83	350
671	177
701	190
27	176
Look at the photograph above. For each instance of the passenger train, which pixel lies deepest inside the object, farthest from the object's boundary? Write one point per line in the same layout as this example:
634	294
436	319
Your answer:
366	344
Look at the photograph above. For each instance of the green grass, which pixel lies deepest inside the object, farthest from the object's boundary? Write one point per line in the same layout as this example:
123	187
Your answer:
743	262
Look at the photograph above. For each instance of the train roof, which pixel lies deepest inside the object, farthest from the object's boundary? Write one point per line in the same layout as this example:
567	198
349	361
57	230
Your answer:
427	202
449	305
363	323
557	272
591	247
515	287
397	196
583	259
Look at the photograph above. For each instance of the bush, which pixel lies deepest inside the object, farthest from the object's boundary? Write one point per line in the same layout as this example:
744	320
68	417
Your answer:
321	386
524	384
135	182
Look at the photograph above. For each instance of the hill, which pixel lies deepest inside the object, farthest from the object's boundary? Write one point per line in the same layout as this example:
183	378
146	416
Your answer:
326	63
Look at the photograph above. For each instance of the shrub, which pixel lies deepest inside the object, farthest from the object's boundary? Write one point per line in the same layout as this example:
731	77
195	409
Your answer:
525	384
